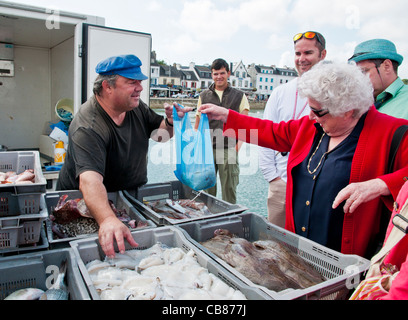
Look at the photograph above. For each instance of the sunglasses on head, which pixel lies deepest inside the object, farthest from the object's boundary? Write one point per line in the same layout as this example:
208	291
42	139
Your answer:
319	113
308	35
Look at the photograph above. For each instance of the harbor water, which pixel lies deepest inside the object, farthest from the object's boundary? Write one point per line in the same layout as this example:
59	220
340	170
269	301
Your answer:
252	190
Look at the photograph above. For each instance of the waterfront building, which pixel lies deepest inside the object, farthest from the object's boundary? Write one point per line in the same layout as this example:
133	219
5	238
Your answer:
266	78
257	81
240	78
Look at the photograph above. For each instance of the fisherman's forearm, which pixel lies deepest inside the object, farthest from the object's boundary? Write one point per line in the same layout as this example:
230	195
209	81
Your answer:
95	196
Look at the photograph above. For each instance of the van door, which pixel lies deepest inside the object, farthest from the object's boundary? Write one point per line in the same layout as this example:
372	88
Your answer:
97	43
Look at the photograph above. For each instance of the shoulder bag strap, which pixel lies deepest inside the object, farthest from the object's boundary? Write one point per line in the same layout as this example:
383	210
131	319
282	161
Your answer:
382	250
396	140
400	222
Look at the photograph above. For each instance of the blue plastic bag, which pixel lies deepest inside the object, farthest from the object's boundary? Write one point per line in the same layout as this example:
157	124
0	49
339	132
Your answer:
195	162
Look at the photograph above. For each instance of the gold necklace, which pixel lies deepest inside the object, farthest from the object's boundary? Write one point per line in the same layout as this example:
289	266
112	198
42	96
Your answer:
321	159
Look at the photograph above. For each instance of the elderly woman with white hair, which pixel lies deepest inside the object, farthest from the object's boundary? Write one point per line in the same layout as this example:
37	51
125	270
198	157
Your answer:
338	157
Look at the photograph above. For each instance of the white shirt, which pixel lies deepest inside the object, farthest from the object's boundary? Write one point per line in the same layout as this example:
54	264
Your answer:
284	104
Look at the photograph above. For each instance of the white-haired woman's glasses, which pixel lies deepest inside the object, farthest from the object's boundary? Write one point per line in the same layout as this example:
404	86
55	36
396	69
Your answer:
319	113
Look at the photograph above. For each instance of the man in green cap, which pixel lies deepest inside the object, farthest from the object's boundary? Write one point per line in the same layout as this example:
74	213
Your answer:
379	58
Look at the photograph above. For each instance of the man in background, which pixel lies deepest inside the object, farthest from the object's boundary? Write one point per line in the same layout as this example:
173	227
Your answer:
380	60
225	149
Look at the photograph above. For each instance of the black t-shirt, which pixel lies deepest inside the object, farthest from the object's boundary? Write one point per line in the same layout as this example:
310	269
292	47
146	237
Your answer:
118	153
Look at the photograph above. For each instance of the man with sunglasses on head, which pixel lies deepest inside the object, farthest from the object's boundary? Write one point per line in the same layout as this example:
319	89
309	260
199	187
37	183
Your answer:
285	104
379	59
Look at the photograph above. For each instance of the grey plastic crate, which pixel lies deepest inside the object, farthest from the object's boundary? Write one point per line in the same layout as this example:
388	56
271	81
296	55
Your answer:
175	190
19	161
42	244
118	199
22	230
87	250
30	271
19	204
341	271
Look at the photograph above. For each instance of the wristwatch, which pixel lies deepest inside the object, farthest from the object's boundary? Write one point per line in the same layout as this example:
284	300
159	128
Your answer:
168	123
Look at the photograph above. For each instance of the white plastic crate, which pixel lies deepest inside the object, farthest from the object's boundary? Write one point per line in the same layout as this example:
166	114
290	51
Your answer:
89	249
19	161
175	190
29	270
118	199
342	272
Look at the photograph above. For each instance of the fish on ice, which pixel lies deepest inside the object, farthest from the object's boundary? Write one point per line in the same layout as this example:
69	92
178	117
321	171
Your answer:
157	273
25	294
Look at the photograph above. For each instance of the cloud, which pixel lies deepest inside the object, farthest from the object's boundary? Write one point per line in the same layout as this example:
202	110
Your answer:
154	6
182	45
262	15
277	42
286	59
256	31
215	21
204	20
340	52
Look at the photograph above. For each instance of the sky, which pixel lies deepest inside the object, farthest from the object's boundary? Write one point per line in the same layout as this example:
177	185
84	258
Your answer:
251	31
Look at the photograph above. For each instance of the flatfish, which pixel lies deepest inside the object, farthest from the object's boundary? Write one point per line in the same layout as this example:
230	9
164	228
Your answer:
293	266
266	263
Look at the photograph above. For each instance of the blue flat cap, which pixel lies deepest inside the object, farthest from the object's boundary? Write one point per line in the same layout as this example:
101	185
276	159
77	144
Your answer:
376	49
127	66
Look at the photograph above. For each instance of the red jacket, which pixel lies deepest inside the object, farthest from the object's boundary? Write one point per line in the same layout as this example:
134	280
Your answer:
398	256
369	162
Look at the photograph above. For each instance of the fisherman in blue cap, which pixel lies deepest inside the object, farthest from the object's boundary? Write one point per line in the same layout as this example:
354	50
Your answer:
108	144
380	60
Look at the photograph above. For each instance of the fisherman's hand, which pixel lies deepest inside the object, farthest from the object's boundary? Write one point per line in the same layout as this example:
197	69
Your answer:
168	109
180	111
214	112
112	229
357	193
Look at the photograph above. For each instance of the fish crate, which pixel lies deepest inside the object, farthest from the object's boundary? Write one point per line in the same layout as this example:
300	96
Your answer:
118	199
24	231
175	190
41	245
342	272
87	250
35	270
19	161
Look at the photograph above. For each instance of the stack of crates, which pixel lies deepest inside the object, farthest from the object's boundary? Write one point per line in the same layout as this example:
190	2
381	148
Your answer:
22	210
38	270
